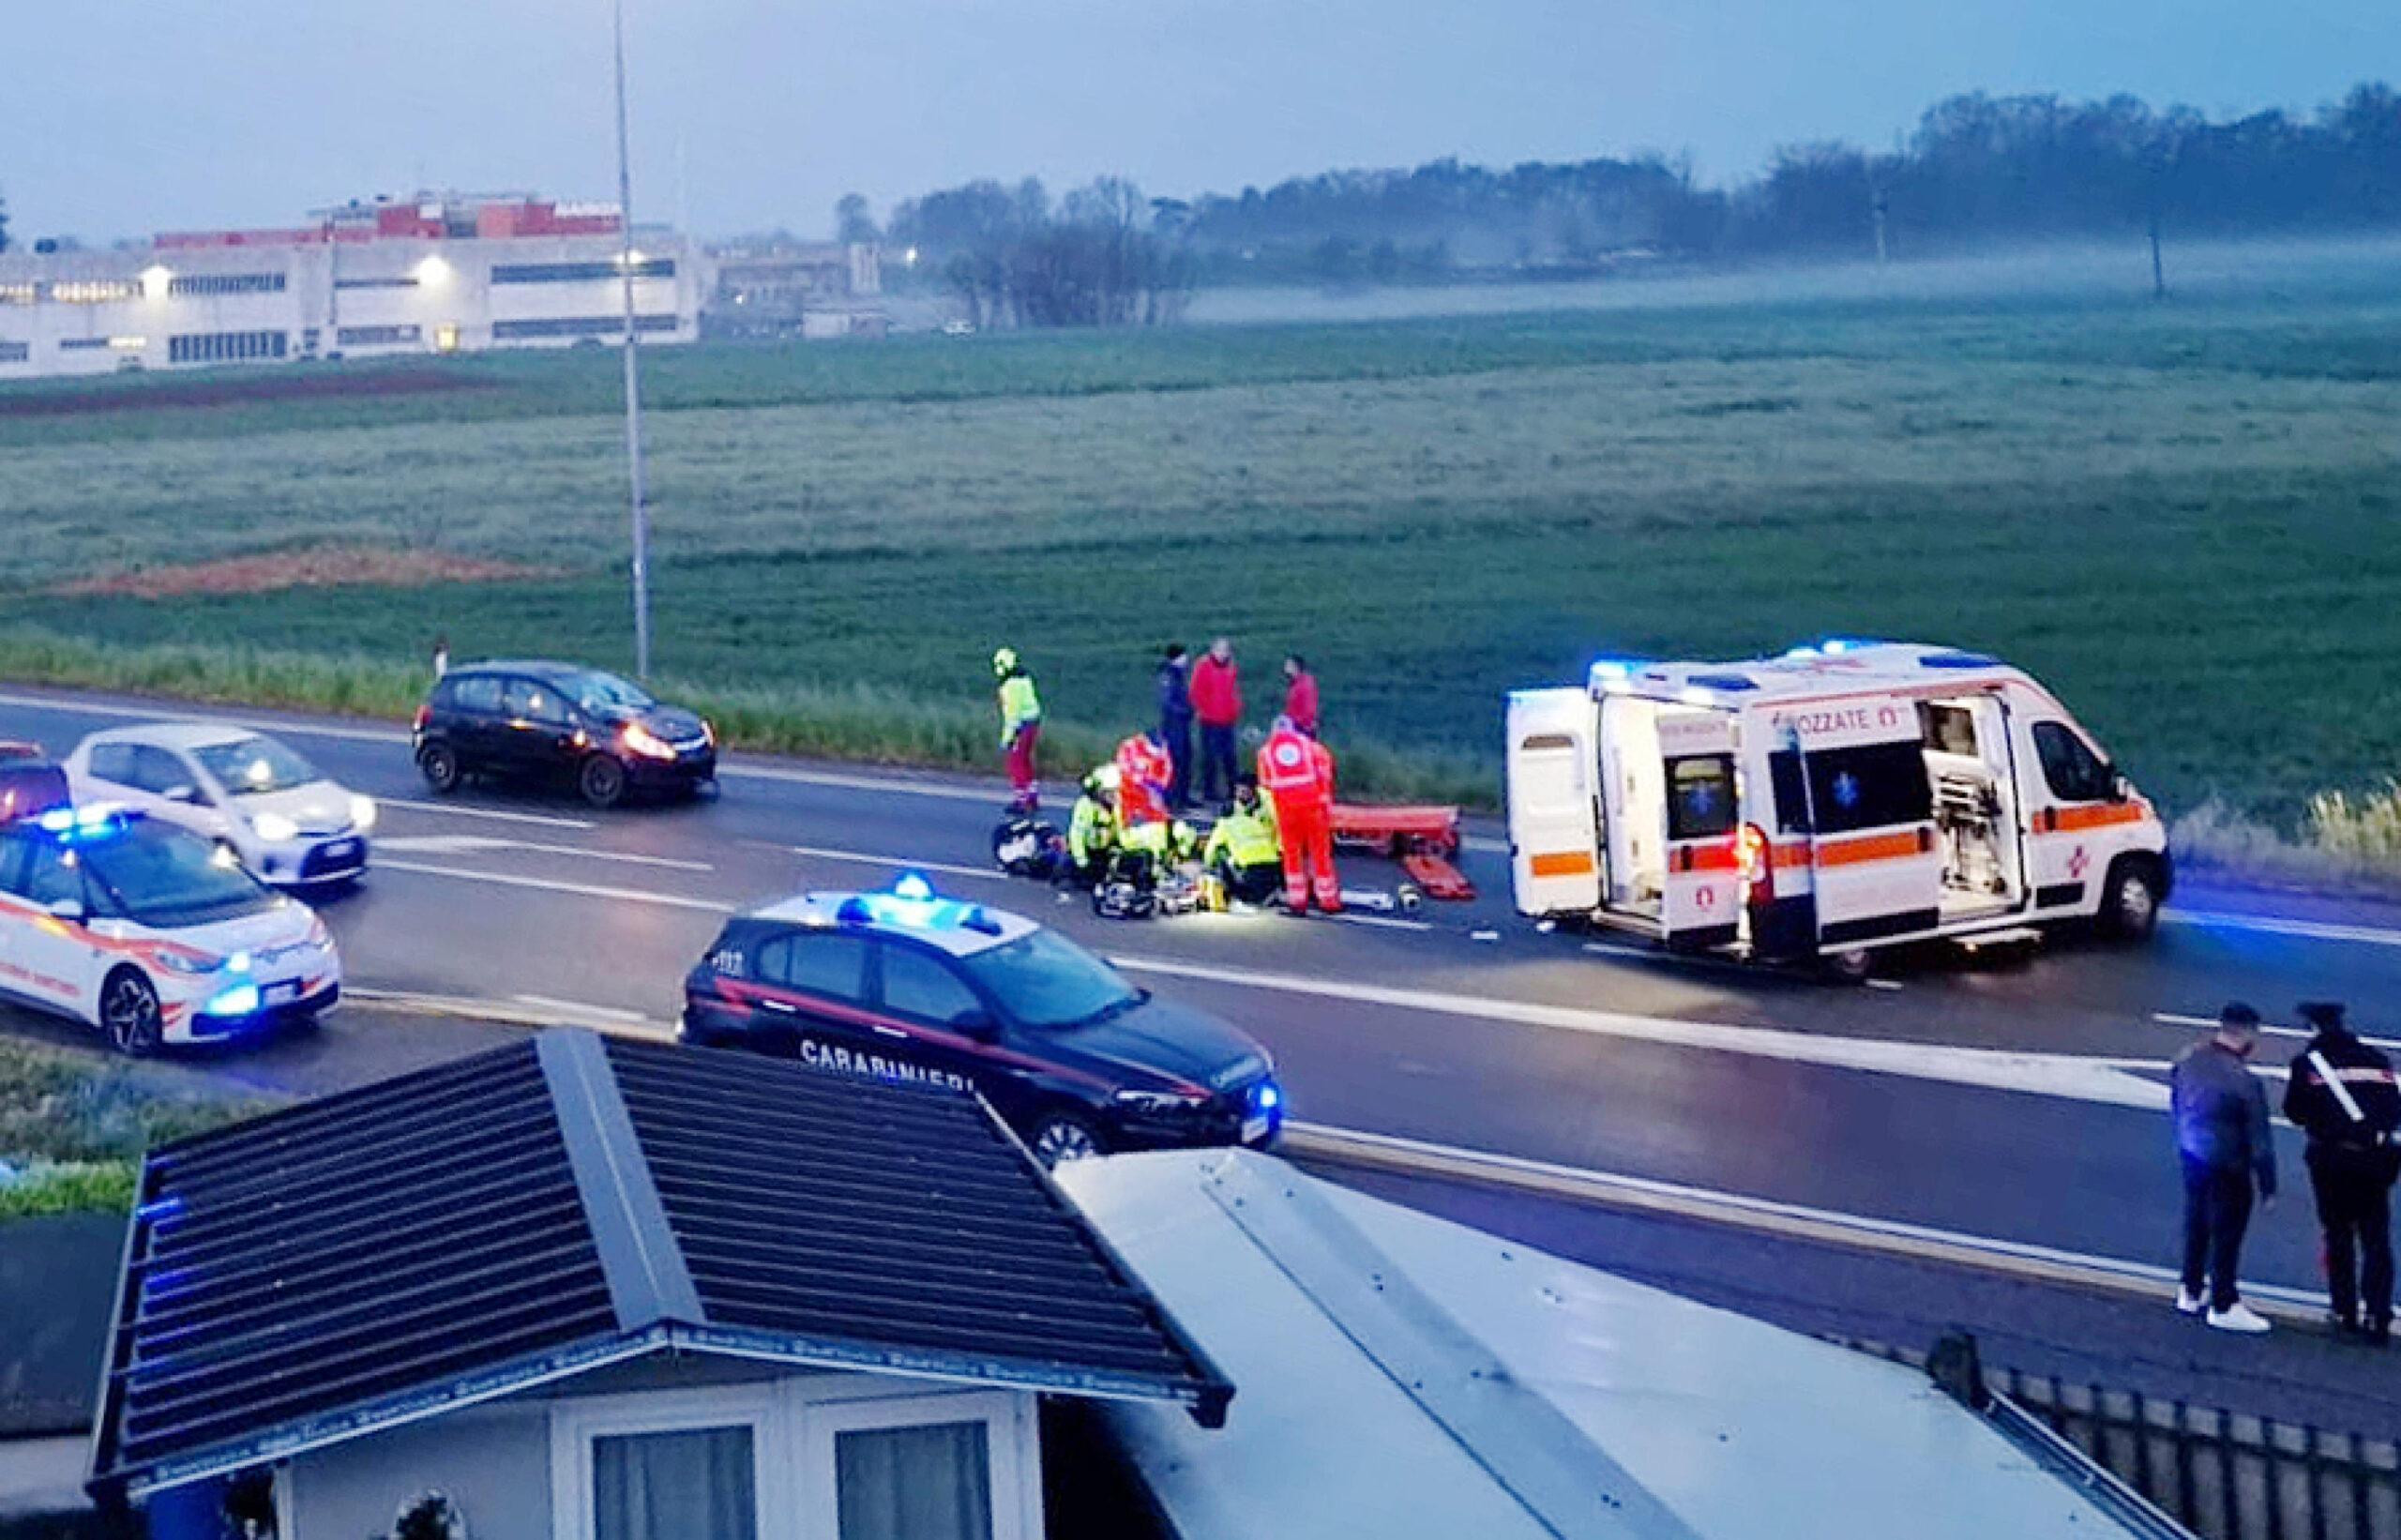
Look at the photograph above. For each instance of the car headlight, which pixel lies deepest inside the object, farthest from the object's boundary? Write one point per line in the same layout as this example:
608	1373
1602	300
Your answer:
274	828
1160	1101
362	812
192	964
638	739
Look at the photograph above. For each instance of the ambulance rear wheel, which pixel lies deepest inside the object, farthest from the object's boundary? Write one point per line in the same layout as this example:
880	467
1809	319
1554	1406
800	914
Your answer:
1851	965
2130	900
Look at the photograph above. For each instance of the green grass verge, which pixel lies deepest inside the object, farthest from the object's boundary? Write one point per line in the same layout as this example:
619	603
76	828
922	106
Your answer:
74	1125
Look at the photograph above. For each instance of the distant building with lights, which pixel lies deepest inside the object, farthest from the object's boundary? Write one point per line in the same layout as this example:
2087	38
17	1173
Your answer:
435	273
775	288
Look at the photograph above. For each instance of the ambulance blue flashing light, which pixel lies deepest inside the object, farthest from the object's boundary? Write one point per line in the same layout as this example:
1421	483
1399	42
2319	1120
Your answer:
1834	646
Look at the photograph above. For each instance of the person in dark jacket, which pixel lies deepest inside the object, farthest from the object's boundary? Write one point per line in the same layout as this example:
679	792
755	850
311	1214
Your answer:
1175	721
2221	1116
2342	1095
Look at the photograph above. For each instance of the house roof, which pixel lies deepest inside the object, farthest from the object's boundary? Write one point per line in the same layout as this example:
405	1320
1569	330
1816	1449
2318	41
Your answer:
531	1212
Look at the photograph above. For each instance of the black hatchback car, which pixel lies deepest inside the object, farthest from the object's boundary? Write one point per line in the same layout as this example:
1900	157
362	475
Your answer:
908	986
604	736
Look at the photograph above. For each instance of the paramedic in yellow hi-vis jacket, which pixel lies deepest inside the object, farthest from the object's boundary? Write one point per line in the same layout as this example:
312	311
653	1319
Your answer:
1243	852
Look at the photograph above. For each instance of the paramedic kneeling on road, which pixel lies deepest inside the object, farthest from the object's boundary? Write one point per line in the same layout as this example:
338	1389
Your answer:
1297	773
1091	829
1243	850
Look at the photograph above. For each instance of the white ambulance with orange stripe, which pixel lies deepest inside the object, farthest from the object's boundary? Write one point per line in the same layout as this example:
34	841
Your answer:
1845	797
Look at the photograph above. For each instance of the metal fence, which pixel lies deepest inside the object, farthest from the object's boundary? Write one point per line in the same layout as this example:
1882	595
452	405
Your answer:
2221	1475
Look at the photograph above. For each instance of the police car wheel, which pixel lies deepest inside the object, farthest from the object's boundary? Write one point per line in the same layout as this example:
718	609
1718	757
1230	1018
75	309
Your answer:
601	781
2130	902
129	1012
1063	1137
439	765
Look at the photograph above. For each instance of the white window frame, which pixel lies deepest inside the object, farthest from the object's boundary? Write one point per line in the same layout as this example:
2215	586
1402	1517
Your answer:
794	1423
576	1423
1011	1451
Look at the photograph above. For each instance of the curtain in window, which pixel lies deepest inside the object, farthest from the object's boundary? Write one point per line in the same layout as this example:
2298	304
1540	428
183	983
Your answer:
932	1483
686	1486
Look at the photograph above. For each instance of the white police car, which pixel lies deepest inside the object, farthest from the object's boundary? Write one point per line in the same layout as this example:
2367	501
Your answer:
152	933
289	823
907	984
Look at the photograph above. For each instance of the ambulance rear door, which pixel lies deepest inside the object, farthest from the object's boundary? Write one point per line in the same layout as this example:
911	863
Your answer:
1554	809
1702	899
1875	865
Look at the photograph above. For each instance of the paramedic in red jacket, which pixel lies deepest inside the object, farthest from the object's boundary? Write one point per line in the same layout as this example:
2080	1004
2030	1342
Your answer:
1297	772
1146	772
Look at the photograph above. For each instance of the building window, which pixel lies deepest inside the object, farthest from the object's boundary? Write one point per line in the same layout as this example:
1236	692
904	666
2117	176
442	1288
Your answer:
195	284
18	294
932	1481
595	326
403	281
226	347
15	353
377	337
81	345
102	291
694	1483
578	272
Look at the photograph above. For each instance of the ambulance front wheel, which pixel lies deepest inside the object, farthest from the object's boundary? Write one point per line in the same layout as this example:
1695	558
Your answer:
1851	965
2130	899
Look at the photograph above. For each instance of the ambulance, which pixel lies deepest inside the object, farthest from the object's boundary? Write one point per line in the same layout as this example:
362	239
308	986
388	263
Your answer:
1843	797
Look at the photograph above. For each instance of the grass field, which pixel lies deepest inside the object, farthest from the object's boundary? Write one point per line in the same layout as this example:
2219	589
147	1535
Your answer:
2182	516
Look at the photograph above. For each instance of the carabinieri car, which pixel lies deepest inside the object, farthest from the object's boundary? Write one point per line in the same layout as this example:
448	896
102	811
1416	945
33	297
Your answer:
152	933
907	984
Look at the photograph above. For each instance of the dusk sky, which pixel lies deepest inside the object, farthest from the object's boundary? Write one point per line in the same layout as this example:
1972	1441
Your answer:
125	117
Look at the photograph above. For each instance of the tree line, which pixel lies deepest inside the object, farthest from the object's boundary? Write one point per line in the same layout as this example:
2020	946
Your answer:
1977	170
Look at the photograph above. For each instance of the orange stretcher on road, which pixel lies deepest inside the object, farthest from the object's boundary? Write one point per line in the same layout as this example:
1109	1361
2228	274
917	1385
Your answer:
1424	839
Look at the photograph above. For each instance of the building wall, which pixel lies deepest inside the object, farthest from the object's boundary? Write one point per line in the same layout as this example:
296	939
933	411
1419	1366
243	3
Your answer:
511	1468
88	312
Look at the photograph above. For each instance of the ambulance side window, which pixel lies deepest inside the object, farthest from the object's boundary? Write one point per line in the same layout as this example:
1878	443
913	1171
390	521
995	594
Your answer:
1701	797
1792	794
2070	768
1874	786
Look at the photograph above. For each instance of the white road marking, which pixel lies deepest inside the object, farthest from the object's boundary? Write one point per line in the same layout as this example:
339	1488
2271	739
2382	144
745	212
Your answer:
458	810
1921	1242
546	884
2277	924
994	796
2108	1083
2209	1023
900	863
577	1007
1886	984
179	711
469	844
1381	921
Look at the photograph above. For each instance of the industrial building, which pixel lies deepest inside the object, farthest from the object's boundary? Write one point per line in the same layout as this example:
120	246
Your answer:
440	274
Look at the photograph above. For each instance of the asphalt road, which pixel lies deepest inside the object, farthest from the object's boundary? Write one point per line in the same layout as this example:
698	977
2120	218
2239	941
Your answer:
2013	1099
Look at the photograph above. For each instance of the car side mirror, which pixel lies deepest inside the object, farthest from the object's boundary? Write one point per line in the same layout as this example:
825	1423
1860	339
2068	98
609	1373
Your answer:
978	1025
69	910
184	792
2121	789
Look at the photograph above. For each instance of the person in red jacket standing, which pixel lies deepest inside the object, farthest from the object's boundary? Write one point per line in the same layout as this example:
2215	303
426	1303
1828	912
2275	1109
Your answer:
1216	700
1146	774
1300	694
1297	772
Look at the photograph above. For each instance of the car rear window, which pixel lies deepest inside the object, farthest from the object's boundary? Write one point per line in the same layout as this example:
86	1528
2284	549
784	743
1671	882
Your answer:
475	692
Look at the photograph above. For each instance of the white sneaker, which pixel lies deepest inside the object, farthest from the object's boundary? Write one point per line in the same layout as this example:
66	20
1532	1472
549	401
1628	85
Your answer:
2190	1304
2239	1317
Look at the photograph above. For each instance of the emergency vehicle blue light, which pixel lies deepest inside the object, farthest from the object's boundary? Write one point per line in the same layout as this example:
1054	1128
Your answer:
1268	1097
1834	646
913	885
238	963
241	1000
81	821
1957	660
1729	682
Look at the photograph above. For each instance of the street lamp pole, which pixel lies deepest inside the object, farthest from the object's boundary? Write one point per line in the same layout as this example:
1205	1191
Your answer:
633	366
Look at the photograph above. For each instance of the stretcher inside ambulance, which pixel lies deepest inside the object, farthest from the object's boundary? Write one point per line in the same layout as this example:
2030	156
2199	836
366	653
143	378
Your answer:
1841	797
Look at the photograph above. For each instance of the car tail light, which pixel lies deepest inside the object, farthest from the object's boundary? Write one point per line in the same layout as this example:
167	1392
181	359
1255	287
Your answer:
424	714
1755	862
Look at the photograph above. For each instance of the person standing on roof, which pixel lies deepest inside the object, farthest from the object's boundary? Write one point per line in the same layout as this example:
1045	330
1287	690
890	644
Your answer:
1145	778
1175	721
1216	700
2342	1095
2221	1118
1300	694
1021	728
1297	774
